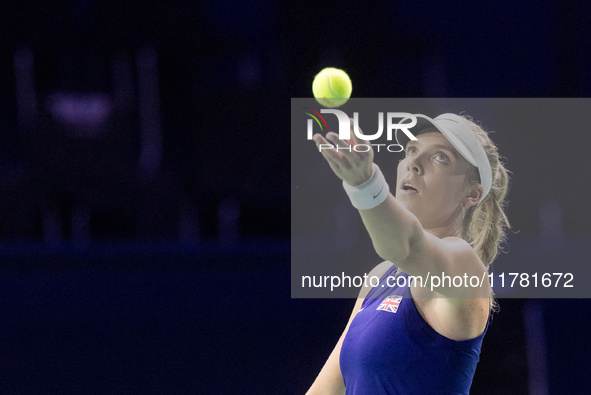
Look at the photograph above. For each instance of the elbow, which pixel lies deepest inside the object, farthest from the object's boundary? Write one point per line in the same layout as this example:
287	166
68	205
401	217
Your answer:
393	253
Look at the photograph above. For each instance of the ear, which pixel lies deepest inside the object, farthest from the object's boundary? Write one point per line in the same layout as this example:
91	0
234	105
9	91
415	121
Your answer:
473	196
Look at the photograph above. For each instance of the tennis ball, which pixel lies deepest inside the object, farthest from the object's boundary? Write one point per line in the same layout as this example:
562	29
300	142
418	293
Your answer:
332	87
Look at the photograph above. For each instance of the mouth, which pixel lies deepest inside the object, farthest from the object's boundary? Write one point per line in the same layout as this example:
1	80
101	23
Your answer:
409	188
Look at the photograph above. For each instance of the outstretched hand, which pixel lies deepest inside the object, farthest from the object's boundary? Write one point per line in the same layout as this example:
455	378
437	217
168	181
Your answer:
350	165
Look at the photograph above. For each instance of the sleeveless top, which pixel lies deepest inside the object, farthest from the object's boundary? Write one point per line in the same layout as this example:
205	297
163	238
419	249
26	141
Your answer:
391	349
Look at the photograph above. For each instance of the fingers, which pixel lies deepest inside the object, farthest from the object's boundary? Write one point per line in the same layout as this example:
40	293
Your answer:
345	153
335	159
344	145
349	163
355	140
328	149
339	151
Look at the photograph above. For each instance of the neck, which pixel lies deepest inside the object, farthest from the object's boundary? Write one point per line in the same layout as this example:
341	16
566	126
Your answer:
451	229
446	231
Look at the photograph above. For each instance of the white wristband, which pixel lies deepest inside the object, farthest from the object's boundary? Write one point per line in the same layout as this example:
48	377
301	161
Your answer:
369	194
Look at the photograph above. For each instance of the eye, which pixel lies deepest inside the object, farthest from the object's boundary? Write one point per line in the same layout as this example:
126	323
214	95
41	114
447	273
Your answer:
441	157
411	150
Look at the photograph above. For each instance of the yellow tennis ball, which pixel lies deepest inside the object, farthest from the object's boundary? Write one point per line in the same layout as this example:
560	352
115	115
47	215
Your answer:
332	87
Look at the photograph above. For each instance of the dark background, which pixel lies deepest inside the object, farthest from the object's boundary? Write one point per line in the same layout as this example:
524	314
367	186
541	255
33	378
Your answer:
172	275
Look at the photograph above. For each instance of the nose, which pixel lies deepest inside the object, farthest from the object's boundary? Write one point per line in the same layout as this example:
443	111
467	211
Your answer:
414	165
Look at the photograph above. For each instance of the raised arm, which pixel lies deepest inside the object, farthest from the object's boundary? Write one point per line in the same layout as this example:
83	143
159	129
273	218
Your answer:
396	233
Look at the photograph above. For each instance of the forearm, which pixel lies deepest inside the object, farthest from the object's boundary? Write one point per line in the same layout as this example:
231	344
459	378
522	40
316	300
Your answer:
392	228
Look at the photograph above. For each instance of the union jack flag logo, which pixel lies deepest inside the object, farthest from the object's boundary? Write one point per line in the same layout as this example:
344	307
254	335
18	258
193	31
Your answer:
390	304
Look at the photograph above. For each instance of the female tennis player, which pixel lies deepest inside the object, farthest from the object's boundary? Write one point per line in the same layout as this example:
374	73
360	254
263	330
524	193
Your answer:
442	224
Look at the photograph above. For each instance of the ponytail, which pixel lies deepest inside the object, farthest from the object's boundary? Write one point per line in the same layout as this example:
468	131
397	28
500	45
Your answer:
485	224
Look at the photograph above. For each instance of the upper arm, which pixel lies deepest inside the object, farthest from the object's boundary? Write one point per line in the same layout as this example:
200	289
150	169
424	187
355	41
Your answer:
330	379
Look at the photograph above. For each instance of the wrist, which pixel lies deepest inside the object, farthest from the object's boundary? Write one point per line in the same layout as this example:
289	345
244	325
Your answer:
369	194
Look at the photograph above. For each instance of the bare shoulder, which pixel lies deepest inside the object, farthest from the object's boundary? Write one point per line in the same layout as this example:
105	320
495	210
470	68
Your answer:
457	319
453	256
462	252
456	302
459	272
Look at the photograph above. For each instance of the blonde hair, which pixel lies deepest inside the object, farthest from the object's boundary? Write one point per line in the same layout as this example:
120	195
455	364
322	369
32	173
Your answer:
484	225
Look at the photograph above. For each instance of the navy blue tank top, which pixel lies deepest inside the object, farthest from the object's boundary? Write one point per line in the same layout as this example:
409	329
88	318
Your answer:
391	349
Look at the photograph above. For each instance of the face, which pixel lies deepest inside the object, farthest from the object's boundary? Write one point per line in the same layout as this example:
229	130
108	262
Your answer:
432	181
